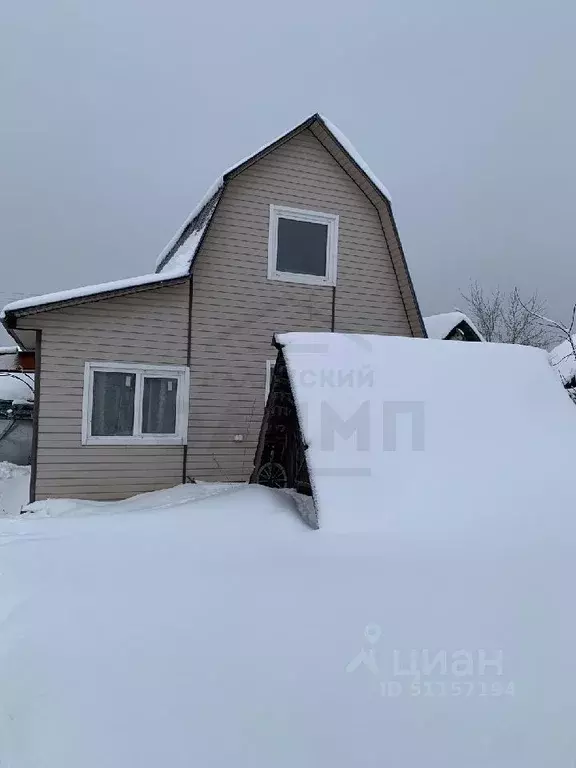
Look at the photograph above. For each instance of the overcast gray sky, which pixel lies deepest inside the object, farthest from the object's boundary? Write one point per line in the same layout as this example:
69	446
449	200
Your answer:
117	114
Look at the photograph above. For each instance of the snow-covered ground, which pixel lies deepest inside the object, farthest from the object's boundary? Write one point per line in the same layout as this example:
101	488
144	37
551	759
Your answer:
428	622
172	630
14	489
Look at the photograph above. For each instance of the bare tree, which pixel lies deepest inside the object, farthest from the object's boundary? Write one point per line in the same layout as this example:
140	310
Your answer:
506	318
566	331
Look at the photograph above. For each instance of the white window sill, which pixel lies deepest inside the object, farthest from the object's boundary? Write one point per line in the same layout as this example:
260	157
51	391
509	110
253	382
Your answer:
293	277
147	440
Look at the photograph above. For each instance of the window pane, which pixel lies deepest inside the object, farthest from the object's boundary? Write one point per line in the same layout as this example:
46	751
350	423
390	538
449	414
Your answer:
113	403
159	406
301	247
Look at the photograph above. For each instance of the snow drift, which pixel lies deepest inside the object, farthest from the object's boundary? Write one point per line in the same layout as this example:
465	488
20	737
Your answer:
158	638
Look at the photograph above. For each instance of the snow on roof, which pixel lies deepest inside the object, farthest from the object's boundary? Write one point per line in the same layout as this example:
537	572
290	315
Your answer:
168	631
187	249
484	430
93	290
211	194
355	155
440	326
16	386
563	360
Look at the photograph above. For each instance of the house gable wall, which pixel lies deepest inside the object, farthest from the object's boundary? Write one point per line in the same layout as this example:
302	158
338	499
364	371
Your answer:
236	309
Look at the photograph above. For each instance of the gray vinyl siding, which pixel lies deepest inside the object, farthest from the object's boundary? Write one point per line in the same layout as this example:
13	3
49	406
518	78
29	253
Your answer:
236	309
145	327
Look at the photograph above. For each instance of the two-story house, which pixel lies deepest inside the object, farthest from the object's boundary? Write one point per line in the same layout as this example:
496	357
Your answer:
146	382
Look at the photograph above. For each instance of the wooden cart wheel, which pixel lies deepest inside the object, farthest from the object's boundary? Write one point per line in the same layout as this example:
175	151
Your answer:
272	475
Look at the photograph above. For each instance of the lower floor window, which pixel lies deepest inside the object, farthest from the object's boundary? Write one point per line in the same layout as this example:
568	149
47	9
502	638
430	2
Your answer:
127	403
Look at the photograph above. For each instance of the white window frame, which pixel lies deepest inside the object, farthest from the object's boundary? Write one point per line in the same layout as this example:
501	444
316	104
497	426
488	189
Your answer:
269	370
179	372
315	217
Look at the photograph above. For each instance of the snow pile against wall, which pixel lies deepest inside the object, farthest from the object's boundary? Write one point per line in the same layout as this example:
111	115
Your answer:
156	501
405	432
154	638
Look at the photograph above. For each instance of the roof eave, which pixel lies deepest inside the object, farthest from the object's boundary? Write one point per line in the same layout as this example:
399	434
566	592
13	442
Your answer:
12	316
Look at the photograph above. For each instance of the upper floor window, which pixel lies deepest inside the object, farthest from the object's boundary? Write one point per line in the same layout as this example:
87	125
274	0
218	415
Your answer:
128	403
302	246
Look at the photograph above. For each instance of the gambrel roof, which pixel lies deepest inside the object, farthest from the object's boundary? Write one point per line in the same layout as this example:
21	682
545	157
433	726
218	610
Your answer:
175	263
184	245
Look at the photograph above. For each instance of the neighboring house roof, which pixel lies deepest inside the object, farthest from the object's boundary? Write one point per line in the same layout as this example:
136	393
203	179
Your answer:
444	325
421	427
563	360
176	260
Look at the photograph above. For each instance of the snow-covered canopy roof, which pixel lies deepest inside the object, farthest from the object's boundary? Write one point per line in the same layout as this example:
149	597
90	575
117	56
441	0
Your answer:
176	259
563	360
395	422
171	631
441	326
16	386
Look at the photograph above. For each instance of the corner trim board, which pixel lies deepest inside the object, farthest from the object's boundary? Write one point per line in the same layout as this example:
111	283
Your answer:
35	417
